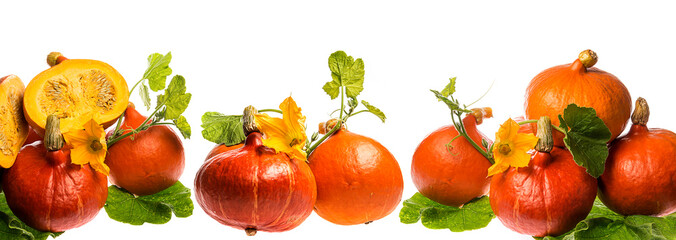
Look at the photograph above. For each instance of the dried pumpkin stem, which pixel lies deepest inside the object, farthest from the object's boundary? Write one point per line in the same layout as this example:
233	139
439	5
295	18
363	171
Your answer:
53	138
250	232
481	113
55	58
641	112
544	133
249	120
588	58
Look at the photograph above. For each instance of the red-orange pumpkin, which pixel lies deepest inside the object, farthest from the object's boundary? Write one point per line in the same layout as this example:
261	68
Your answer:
548	197
554	89
255	189
48	193
640	174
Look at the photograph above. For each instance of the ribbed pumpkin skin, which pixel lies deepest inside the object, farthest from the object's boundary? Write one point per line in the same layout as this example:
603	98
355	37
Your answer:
147	162
49	193
253	187
640	173
549	197
358	179
451	175
551	91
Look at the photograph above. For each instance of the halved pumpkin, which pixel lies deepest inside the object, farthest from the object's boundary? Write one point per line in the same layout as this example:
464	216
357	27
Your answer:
75	89
13	126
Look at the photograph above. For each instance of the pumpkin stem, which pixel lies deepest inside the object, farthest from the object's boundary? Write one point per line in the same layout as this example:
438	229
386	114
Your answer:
481	113
544	133
53	137
326	127
588	58
641	112
248	120
55	58
250	231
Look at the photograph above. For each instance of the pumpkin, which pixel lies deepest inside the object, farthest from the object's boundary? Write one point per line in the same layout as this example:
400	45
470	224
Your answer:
147	162
13	126
221	148
75	89
47	192
451	173
552	90
254	188
640	174
546	198
358	179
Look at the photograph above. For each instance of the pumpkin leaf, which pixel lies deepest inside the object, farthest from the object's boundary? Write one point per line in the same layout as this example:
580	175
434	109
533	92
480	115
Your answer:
473	215
222	129
158	70
345	72
586	138
123	206
604	224
12	228
374	110
183	126
175	98
449	89
145	95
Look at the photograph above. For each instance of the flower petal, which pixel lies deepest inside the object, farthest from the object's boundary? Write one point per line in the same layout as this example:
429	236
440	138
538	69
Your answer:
497	168
525	142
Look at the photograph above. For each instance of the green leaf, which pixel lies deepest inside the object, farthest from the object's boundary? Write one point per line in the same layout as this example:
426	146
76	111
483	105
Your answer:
183	126
473	215
175	98
11	228
123	206
345	72
145	95
222	129
586	139
604	224
449	89
374	110
158	70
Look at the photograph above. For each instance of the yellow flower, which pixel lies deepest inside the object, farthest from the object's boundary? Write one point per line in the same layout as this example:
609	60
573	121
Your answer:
88	144
511	147
286	134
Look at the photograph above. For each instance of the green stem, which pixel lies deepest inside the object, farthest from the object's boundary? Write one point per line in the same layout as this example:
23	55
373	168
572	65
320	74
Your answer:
271	110
342	103
460	127
134	87
527	122
358	112
333	130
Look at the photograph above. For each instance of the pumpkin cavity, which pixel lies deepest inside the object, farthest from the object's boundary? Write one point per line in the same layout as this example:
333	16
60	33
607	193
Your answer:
75	94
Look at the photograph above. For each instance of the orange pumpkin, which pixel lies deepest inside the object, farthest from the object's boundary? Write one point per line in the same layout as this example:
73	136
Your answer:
75	89
554	89
147	162
13	126
451	175
640	173
221	148
358	180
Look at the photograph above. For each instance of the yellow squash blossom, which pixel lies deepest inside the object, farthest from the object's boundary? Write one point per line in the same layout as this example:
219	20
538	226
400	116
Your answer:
511	147
286	134
88	144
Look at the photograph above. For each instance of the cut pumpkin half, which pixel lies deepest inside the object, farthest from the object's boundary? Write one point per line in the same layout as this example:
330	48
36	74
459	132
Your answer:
75	90
13	126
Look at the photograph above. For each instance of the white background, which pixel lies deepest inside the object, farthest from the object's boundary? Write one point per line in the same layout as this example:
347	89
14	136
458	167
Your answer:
235	54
